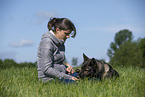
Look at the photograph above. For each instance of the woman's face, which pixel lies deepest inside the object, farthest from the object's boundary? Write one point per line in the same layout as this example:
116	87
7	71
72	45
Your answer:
62	34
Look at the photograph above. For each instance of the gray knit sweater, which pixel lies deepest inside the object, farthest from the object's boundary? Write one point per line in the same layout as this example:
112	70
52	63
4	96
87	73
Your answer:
50	57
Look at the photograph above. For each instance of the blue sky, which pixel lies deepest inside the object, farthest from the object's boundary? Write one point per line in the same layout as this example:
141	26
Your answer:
22	23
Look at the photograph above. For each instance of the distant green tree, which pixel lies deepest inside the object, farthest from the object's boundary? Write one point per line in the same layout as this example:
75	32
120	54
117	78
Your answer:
128	54
30	64
74	61
123	36
9	62
120	38
124	51
1	61
35	63
27	64
141	45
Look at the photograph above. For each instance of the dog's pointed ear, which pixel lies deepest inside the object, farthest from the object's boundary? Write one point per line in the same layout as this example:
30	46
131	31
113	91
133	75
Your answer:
85	57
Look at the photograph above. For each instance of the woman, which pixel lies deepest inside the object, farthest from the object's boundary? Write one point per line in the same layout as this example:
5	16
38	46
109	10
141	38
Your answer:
51	52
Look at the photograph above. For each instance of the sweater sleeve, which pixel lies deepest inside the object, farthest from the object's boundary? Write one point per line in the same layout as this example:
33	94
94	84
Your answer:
46	58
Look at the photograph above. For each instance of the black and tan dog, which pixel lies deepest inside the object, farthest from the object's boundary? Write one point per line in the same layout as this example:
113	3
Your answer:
93	68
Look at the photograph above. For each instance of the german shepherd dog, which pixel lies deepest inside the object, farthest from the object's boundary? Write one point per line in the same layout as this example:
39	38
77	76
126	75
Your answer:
96	69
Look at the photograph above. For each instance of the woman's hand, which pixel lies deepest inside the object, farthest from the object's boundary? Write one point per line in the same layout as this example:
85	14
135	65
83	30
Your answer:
70	70
75	79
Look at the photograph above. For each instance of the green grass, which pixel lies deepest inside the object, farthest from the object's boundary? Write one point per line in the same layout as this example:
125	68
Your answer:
23	82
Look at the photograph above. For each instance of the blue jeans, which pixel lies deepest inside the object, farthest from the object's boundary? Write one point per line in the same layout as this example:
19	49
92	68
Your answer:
68	80
61	80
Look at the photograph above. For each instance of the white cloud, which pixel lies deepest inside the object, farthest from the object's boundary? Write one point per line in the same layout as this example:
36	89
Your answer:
41	14
22	43
45	15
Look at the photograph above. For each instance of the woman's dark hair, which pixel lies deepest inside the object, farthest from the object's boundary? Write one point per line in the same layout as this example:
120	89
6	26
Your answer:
62	24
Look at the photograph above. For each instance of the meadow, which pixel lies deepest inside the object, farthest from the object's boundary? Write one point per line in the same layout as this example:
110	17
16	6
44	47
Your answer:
23	82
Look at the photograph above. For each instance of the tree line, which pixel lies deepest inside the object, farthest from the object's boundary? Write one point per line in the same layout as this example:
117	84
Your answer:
8	63
124	51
